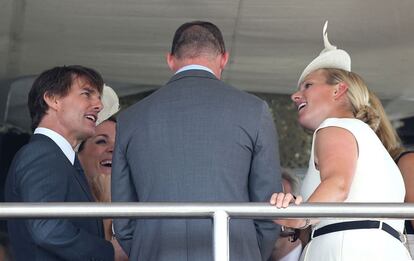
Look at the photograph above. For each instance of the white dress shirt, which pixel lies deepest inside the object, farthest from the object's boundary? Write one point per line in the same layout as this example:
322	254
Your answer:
194	67
63	144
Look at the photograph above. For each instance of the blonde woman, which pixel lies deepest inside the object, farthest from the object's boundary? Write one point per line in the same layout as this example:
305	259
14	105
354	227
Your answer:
95	153
348	164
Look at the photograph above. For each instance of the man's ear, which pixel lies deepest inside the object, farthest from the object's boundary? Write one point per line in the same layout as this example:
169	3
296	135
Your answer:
51	100
223	60
171	61
340	89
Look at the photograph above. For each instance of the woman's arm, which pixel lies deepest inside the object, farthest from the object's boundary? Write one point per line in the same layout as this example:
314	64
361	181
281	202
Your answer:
336	154
406	165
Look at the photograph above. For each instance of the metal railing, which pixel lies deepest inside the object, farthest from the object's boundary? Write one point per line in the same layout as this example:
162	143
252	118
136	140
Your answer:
220	213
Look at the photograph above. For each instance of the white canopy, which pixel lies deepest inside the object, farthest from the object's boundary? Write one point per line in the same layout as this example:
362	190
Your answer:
270	43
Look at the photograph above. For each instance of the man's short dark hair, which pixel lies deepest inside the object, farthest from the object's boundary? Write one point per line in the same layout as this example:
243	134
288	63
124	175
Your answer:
192	38
57	81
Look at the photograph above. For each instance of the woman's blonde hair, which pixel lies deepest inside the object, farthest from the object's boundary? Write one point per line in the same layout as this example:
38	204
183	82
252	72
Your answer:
385	132
358	95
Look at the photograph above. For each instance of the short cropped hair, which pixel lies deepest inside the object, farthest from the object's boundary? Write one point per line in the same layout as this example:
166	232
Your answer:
57	81
194	38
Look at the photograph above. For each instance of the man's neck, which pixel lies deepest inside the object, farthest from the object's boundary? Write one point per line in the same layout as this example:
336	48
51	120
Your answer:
46	124
194	67
211	65
61	141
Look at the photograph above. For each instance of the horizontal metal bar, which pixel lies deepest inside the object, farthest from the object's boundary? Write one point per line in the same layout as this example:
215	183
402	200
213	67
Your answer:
205	210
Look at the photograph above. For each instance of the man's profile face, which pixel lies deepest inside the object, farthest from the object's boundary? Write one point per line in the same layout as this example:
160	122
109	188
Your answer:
77	111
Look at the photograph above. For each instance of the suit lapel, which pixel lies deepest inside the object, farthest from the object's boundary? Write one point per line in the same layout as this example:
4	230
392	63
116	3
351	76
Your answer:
80	177
77	171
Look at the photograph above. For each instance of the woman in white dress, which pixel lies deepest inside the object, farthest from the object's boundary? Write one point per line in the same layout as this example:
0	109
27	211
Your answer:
348	163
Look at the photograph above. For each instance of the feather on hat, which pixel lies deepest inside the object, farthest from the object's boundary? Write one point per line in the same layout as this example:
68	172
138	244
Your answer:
330	57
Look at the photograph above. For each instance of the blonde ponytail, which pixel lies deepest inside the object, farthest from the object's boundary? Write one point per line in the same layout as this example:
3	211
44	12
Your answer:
358	95
368	115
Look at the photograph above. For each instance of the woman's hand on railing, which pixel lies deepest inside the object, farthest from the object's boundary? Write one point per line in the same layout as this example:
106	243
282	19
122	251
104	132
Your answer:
282	200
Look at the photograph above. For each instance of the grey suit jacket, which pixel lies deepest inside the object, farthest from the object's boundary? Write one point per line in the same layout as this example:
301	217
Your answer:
40	172
195	139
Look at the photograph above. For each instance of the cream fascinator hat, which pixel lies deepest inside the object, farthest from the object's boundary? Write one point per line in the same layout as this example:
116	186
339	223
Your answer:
330	57
110	103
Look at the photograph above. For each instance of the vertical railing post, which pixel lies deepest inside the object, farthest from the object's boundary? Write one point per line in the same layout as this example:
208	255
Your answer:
221	235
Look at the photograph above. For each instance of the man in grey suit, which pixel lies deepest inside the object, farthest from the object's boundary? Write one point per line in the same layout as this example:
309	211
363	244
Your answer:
64	103
196	139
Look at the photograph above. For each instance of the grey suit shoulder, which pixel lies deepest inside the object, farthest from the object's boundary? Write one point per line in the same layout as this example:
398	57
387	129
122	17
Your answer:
204	86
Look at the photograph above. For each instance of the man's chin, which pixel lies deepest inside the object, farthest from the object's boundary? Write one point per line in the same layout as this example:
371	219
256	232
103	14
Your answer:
87	133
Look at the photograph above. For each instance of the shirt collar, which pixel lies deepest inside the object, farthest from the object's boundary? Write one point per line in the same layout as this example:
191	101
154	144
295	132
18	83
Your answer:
194	67
63	144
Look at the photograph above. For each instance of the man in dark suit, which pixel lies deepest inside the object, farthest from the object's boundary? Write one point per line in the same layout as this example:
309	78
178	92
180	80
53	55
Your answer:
195	139
63	103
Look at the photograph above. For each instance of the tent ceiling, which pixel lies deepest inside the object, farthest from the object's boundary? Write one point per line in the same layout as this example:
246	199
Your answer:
270	41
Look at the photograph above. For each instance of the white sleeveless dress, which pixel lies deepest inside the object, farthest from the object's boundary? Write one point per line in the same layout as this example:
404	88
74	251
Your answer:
377	179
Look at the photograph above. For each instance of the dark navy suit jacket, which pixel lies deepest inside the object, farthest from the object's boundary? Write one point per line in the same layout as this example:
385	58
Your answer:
40	172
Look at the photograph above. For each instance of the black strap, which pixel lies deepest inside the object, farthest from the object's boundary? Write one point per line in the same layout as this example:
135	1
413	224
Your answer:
402	154
362	224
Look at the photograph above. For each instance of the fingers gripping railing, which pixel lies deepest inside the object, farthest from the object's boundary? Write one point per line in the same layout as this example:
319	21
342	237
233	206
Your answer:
219	212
